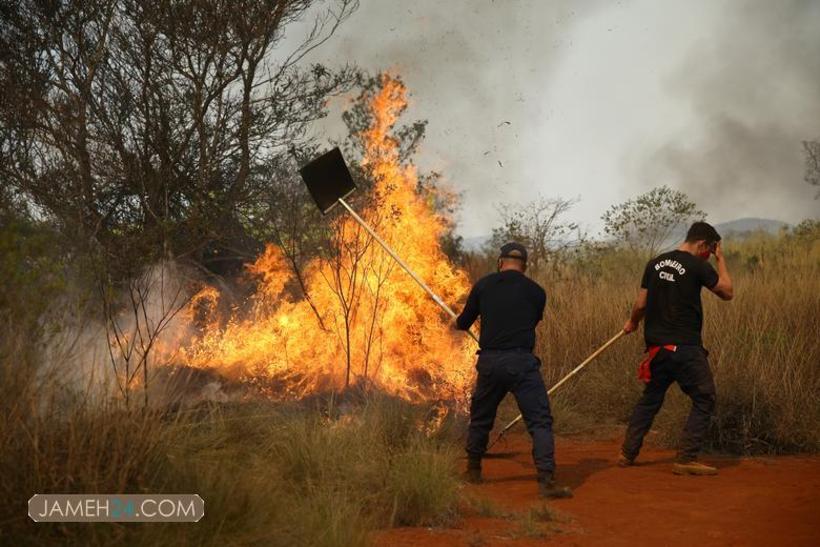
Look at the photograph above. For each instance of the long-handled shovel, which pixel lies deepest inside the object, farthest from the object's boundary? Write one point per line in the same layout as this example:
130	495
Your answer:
329	182
561	381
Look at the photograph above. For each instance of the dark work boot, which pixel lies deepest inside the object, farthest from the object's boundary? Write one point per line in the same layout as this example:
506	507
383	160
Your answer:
625	461
548	489
473	473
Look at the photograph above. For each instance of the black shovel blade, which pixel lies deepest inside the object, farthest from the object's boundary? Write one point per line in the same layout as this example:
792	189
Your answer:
328	179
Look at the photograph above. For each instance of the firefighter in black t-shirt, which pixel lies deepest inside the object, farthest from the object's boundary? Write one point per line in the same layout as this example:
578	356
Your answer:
669	299
510	305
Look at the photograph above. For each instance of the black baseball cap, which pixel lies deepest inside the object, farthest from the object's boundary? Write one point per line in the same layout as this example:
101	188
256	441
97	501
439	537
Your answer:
513	250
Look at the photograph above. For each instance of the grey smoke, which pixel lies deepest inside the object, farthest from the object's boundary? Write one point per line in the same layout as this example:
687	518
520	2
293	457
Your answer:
477	70
603	100
76	359
755	92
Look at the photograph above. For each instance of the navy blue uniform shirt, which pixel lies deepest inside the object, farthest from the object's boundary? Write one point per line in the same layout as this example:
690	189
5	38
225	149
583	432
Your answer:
510	305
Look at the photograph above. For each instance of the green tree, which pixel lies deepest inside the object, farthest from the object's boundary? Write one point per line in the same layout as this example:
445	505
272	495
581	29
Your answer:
538	225
148	129
648	222
146	132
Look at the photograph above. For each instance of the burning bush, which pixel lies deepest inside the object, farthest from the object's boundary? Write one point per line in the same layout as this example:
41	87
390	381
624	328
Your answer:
359	318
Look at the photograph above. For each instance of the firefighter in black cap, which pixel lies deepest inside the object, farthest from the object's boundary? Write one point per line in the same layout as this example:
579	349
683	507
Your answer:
510	305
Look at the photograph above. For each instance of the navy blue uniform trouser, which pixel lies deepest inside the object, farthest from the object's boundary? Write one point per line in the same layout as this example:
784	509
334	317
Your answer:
689	367
501	372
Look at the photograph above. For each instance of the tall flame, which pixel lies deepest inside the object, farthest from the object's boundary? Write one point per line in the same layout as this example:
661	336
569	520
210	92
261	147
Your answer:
366	320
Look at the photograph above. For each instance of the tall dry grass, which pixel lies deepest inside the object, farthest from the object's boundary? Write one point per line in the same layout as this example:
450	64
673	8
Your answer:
270	474
763	345
329	474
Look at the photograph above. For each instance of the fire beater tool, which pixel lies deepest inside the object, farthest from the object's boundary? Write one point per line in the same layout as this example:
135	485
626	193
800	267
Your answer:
572	373
329	182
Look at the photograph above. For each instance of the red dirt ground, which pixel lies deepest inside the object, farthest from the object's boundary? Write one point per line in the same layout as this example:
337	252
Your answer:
772	501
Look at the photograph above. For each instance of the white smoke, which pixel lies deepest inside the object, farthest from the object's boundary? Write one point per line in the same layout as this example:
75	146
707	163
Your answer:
101	356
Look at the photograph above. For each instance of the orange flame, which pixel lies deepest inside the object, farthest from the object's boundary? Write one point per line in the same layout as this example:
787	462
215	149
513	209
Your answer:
379	326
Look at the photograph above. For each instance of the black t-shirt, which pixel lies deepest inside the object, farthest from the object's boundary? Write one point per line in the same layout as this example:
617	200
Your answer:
510	305
673	310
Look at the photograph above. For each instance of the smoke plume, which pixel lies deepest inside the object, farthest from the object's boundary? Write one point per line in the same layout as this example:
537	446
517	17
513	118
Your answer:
754	89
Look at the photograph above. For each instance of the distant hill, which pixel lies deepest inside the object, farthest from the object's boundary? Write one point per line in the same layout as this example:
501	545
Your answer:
732	229
743	226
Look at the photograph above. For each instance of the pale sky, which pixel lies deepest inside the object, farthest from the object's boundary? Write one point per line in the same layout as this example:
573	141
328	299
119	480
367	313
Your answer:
603	100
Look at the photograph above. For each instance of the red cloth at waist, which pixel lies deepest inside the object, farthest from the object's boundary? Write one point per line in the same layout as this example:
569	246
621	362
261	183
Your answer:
644	370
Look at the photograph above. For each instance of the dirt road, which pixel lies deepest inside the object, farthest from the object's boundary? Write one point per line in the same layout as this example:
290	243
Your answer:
772	501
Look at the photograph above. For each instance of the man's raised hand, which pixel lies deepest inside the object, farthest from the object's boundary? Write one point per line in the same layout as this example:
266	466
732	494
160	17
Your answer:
718	251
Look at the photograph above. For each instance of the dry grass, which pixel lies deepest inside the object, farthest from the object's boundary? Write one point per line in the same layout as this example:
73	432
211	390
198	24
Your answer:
538	522
270	475
483	507
763	345
276	475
